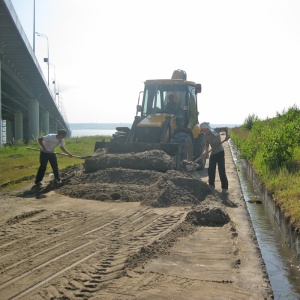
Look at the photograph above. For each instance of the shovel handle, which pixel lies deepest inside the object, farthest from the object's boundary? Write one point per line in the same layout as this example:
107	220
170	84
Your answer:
59	153
195	161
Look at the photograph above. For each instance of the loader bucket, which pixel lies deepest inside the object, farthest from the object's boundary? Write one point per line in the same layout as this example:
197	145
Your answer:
172	150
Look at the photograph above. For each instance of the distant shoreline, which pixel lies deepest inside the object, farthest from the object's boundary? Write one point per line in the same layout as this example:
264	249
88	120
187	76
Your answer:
108	126
112	126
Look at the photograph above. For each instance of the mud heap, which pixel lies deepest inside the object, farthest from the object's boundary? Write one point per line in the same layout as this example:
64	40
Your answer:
146	177
149	160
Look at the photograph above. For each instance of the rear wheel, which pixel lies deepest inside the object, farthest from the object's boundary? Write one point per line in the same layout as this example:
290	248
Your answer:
119	137
186	144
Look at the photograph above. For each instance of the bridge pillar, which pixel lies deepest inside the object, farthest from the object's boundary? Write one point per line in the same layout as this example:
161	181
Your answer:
18	126
9	131
45	122
33	119
0	107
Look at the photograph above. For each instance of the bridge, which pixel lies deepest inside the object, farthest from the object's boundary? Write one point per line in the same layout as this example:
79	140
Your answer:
27	105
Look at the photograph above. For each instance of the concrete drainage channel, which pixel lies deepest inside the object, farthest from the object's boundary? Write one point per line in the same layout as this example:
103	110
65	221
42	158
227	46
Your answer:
281	264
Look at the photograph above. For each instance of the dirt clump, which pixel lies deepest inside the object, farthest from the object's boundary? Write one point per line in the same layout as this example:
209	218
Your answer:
209	213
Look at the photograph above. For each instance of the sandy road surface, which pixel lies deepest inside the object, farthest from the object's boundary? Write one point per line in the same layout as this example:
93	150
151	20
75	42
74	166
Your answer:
57	247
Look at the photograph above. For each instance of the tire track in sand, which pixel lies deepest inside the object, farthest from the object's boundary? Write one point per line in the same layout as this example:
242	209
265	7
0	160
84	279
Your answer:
76	259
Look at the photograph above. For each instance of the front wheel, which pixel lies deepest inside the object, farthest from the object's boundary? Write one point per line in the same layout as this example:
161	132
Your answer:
186	145
199	147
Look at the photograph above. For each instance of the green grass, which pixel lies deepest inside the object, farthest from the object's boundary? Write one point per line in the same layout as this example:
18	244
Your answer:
273	149
18	165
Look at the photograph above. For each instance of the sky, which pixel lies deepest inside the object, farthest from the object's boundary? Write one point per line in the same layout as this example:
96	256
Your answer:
245	54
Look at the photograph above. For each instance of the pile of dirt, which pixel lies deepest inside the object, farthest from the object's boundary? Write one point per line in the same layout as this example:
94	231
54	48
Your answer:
145	177
146	186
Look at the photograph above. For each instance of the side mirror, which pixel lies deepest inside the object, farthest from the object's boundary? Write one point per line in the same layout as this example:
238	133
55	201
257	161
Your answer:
198	88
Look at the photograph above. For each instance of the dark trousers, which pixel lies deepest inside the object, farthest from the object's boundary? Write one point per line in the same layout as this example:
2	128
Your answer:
44	158
218	158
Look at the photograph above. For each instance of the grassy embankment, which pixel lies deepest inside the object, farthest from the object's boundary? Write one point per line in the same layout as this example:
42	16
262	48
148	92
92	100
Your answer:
272	147
18	165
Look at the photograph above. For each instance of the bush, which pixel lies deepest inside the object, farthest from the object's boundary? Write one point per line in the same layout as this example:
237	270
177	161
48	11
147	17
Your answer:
272	147
249	121
274	139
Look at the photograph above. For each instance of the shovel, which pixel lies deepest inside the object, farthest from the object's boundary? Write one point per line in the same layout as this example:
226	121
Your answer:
186	162
195	161
59	153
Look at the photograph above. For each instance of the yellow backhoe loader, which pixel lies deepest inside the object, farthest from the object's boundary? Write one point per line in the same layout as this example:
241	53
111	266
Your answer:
166	119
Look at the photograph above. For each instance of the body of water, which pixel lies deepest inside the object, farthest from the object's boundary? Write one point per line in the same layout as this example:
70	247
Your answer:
280	261
92	132
104	129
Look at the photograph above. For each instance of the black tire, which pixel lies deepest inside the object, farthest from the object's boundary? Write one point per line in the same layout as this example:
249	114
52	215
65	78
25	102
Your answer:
186	142
199	147
119	137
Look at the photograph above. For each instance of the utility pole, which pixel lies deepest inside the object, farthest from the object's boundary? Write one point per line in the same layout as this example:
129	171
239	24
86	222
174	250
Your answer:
46	59
33	43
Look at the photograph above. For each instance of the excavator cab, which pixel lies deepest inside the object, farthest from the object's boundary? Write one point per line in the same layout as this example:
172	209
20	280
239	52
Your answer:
163	99
174	97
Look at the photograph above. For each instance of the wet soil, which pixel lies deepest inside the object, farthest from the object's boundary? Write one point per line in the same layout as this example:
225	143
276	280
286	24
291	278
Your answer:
120	233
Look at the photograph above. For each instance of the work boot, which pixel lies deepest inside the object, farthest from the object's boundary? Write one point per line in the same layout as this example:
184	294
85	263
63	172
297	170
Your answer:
212	189
224	192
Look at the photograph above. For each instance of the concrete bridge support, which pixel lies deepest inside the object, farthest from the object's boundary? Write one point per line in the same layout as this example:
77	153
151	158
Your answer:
45	122
0	108
9	132
18	126
33	119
